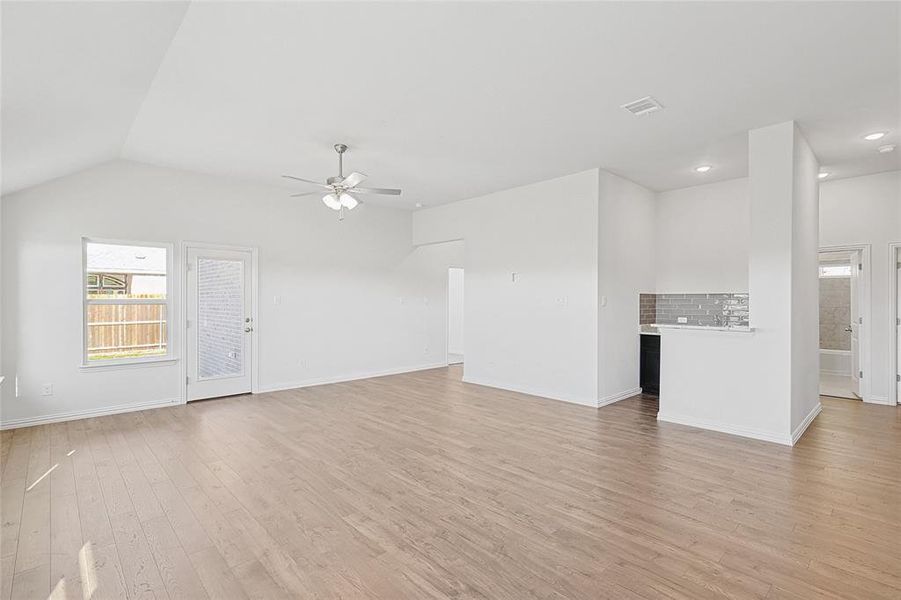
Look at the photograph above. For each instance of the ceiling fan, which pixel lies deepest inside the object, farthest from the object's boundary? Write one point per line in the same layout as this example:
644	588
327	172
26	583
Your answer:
338	197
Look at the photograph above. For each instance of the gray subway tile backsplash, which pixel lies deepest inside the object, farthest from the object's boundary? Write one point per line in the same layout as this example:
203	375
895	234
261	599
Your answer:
699	309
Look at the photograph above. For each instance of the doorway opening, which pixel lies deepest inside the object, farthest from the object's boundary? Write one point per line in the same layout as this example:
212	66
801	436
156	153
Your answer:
454	316
842	288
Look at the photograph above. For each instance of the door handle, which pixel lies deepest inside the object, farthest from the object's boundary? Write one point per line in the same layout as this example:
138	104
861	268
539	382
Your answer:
248	329
849	329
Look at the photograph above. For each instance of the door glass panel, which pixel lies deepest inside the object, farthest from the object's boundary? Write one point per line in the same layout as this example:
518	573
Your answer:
220	317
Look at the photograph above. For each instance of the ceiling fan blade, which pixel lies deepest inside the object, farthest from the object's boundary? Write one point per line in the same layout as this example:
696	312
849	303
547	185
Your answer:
353	179
328	187
383	191
305	194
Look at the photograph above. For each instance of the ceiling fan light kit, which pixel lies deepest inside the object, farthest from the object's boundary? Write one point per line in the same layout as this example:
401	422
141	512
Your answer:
338	197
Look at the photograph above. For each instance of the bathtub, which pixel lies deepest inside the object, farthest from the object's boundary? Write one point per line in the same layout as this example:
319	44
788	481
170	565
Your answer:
835	362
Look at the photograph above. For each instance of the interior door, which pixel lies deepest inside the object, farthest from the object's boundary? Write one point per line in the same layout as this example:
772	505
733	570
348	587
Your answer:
854	326
219	323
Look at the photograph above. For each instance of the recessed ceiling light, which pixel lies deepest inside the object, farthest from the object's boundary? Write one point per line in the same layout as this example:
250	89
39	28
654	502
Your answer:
703	168
876	135
823	174
886	149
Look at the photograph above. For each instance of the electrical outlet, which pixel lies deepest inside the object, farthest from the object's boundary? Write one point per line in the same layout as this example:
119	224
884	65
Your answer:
47	389
682	320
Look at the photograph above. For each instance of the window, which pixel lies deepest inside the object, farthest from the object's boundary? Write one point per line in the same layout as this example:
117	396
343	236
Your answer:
126	302
827	271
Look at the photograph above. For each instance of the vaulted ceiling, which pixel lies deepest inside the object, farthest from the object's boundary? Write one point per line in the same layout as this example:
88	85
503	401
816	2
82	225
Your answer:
446	100
74	75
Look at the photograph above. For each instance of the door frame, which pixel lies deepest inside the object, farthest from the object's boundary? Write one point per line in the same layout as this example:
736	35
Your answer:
894	343
865	284
254	311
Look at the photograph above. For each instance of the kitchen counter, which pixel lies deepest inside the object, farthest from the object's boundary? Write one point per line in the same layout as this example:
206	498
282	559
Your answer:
665	326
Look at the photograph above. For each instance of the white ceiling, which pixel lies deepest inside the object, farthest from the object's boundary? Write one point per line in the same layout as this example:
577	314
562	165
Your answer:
446	100
73	77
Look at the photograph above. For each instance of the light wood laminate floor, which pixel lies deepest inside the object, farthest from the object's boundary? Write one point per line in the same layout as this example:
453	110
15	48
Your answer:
420	486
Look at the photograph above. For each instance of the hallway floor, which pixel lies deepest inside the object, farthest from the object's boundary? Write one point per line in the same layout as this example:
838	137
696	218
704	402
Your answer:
837	386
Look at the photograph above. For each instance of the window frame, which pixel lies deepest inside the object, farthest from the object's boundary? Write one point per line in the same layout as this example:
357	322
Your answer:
169	356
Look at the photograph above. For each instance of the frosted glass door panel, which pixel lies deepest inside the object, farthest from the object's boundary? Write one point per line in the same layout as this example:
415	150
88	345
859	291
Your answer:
220	318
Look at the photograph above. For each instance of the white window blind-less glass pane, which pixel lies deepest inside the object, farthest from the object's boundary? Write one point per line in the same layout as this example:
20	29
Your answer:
220	317
122	271
835	271
122	331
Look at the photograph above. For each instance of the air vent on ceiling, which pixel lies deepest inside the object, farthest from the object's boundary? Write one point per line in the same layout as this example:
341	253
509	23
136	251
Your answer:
643	106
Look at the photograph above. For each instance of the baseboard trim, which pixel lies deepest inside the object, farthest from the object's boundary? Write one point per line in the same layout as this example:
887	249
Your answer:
528	391
766	436
85	414
836	373
878	400
293	385
617	397
800	429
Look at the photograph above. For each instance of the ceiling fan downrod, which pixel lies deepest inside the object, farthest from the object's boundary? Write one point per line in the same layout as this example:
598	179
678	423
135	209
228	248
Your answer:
341	149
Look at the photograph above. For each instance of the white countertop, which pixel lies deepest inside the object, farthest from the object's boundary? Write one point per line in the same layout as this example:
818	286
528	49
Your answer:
701	328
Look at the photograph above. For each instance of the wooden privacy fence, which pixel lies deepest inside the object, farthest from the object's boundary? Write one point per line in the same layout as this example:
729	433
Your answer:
126	328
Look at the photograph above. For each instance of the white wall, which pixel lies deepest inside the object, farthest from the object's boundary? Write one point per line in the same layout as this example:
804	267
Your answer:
356	297
805	290
455	303
625	269
702	243
702	237
537	334
761	384
867	210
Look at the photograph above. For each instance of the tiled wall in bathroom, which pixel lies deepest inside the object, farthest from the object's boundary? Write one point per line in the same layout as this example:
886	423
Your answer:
835	313
698	309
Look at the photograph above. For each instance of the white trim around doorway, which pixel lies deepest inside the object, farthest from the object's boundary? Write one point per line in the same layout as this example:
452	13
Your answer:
894	343
866	310
254	311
